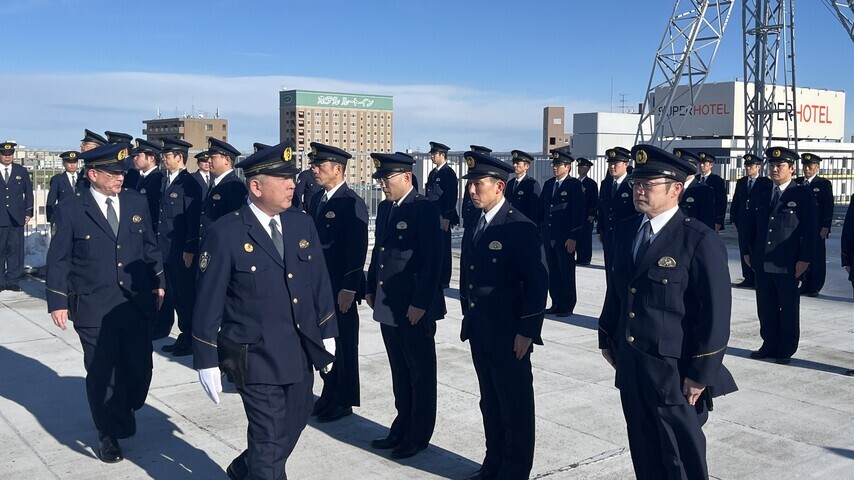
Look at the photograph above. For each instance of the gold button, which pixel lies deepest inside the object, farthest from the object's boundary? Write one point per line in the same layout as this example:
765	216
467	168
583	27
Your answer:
634	290
118	247
290	275
252	268
120	264
296	300
664	281
87	237
631	314
631	339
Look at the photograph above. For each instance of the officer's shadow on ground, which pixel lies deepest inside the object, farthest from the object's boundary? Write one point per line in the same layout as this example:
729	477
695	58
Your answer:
796	362
59	405
359	431
34	288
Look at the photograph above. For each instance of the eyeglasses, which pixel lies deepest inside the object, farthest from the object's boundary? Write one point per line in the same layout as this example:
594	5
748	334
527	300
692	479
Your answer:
646	186
111	174
385	180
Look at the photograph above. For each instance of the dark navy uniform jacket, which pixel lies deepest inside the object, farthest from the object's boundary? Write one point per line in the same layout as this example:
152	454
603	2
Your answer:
253	297
503	282
18	195
718	184
524	196
698	201
406	259
441	189
591	197
60	189
178	225
822	190
86	259
307	187
224	198
847	240
562	213
152	187
741	198
202	183
778	239
342	225
612	210
675	304
467	206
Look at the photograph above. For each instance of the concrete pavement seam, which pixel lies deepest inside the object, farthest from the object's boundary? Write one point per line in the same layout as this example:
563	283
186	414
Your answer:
28	444
602	457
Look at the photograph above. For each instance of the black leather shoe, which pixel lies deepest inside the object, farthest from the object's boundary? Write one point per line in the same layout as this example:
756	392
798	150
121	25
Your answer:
178	343
445	286
850	373
13	288
812	294
320	406
406	451
481	475
759	355
784	361
183	350
745	284
384	443
232	474
109	450
333	413
550	310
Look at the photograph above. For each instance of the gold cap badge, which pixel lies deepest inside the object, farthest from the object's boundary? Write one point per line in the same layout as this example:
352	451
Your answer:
470	162
641	157
288	154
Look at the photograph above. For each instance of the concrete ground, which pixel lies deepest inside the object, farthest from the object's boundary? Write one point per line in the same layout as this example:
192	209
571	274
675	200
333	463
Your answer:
794	421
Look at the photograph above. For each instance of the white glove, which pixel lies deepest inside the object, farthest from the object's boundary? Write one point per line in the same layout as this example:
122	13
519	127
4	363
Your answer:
329	345
211	381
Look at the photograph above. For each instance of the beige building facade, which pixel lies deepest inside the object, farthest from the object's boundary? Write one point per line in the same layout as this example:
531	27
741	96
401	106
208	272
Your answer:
554	134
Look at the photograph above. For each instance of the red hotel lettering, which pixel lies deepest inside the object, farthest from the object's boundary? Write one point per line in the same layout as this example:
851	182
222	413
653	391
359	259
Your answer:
815	114
711	109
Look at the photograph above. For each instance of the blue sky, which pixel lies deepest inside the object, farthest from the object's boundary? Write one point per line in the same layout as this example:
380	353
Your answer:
107	65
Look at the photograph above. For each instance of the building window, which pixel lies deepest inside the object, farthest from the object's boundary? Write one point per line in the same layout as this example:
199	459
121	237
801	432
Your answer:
557	121
551	140
209	127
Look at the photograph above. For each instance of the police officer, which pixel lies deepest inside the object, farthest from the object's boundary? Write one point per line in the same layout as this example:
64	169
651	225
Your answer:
584	249
125	140
718	184
17	188
203	174
562	214
307	187
177	238
615	200
146	157
822	190
746	188
268	315
780	245
91	140
65	184
441	189
467	206
666	321
698	199
403	290
341	218
523	191
228	193
847	243
503	286
104	273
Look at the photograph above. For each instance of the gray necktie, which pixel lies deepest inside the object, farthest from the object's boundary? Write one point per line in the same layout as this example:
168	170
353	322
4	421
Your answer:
276	235
807	182
6	174
775	198
74	182
112	218
321	204
750	185
644	234
478	231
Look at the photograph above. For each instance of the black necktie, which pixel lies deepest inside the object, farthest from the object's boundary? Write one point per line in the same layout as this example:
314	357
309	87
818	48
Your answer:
391	212
210	181
478	231
775	198
702	179
320	205
750	185
806	182
614	187
112	218
276	235
168	182
557	187
644	241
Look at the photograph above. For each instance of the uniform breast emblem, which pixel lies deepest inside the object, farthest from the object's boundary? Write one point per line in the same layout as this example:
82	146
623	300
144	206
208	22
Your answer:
792	204
816	189
216	197
248	247
667	262
625	195
520	193
495	245
303	243
204	261
173	195
18	177
402	226
563	194
330	214
142	191
136	219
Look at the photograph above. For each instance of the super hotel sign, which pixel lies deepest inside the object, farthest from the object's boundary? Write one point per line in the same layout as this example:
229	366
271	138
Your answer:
304	98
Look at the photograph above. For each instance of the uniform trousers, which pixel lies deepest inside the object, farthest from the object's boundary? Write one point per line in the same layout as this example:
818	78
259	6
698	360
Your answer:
561	276
778	305
12	245
412	357
445	276
666	441
277	416
117	357
341	384
584	247
507	406
181	289
813	278
746	272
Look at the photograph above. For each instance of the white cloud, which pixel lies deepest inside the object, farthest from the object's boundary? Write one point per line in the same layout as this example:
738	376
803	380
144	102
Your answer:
51	110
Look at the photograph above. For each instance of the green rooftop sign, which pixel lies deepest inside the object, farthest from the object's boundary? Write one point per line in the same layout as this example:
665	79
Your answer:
306	98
